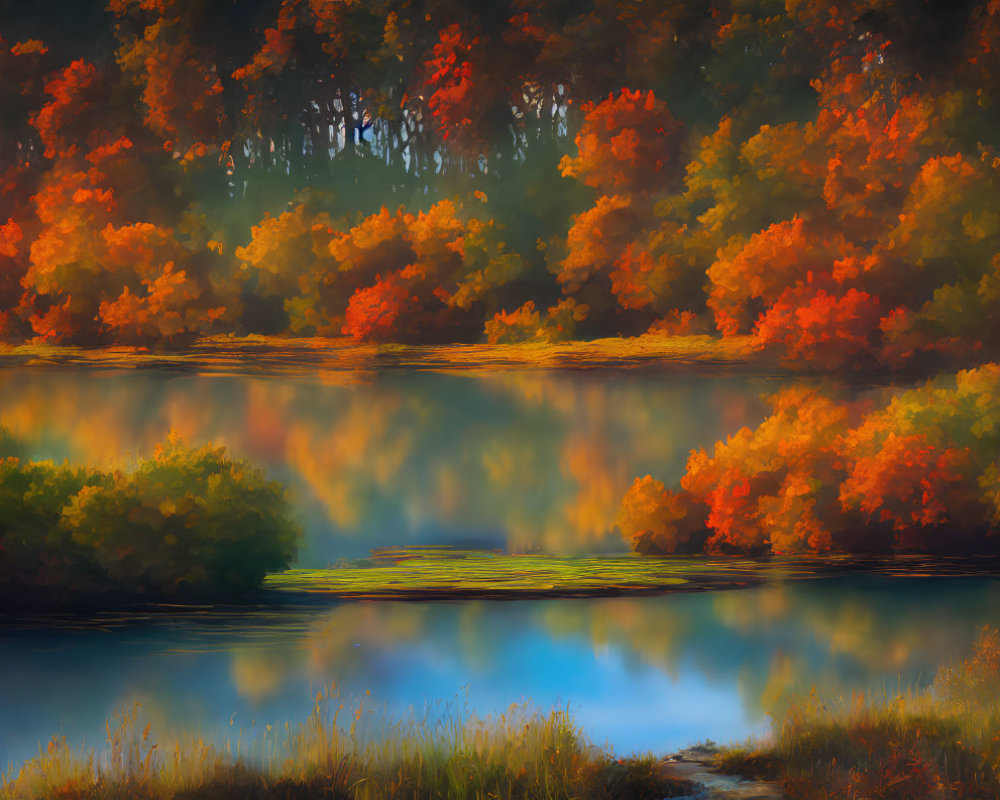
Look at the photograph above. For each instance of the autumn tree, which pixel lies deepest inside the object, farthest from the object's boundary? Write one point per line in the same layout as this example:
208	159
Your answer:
446	265
819	176
291	276
921	464
389	277
656	520
918	474
180	82
628	150
94	274
626	143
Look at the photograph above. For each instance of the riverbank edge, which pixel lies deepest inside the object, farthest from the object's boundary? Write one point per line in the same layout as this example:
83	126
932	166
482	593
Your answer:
705	768
283	354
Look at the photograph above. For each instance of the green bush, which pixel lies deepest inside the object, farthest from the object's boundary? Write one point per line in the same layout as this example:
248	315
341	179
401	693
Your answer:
188	523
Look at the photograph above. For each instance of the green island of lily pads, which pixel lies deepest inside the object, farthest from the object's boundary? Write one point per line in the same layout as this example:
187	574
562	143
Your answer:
441	573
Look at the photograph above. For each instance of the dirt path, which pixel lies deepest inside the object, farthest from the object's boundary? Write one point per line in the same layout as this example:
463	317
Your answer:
696	765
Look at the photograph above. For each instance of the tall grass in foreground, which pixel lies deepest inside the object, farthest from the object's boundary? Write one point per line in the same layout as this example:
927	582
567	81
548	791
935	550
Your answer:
523	753
942	742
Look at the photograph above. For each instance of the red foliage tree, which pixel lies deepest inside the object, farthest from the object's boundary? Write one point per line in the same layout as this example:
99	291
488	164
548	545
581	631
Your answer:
385	312
456	86
812	326
911	485
626	143
921	473
746	279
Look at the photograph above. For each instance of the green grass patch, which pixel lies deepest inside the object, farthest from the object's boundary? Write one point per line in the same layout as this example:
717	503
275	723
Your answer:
441	573
438	573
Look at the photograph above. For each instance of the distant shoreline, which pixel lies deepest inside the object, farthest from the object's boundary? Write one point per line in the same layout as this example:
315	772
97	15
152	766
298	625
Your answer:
234	354
435	574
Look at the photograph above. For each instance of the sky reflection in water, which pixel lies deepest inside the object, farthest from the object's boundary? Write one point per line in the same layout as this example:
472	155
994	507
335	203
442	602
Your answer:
517	460
645	673
521	460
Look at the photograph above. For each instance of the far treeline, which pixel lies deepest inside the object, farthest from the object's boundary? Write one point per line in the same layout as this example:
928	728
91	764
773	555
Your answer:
821	175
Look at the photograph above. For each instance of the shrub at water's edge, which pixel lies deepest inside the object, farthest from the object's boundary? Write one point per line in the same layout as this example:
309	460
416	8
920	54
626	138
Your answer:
920	474
941	742
522	753
187	523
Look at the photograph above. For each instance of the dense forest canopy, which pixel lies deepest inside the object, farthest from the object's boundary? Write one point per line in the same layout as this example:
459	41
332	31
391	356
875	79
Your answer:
821	176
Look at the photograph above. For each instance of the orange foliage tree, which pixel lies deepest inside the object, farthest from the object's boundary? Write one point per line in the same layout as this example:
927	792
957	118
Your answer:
628	148
919	474
626	143
445	266
656	520
93	274
288	262
391	277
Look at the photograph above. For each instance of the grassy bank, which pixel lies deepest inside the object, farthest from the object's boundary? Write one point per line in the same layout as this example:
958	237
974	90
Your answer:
437	573
941	742
523	753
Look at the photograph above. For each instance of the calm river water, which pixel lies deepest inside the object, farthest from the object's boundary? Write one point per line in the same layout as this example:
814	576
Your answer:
521	461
